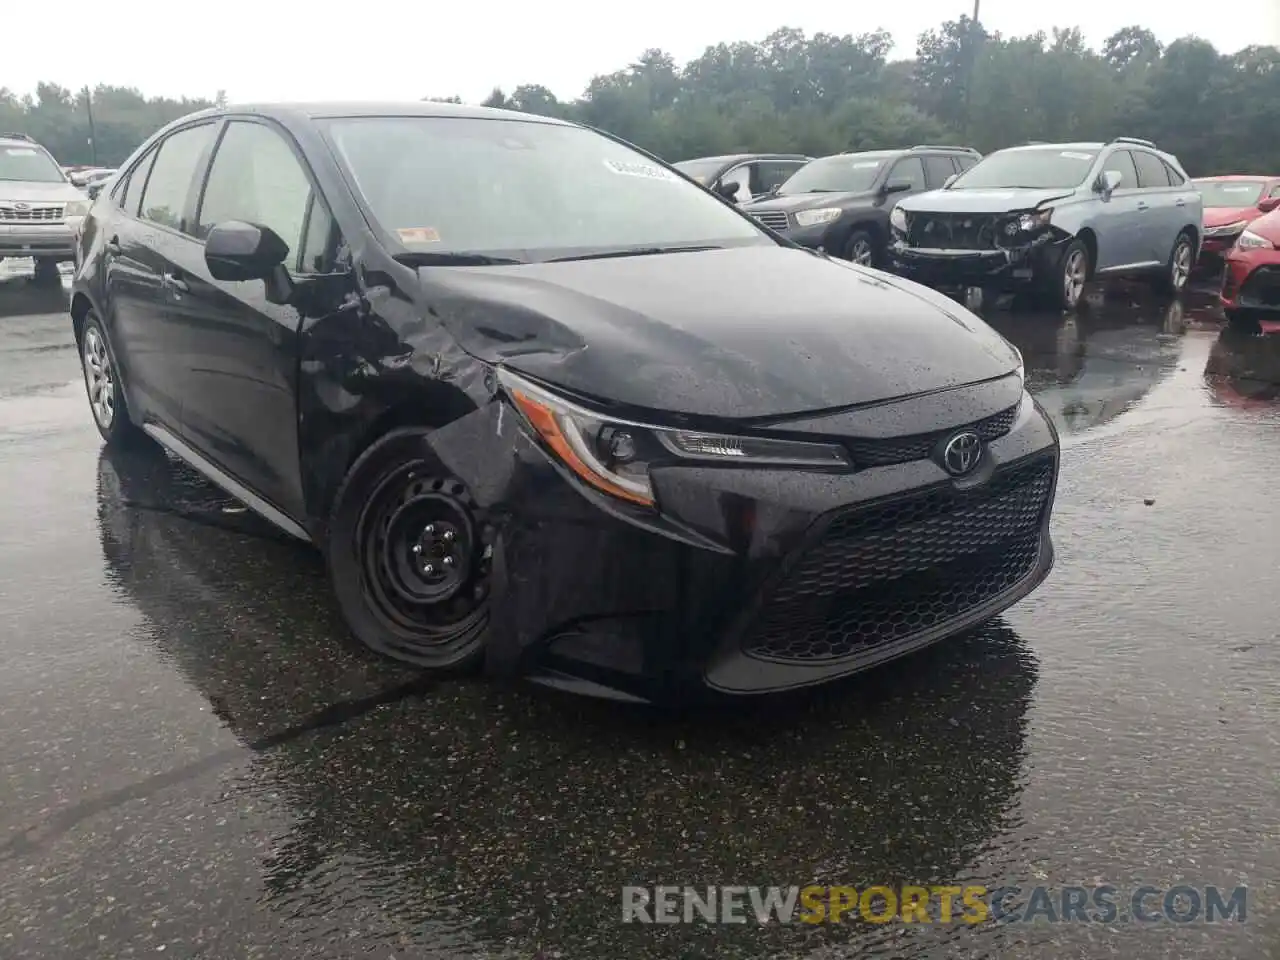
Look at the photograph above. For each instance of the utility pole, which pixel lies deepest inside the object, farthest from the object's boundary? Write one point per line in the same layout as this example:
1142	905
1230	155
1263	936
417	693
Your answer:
974	34
93	136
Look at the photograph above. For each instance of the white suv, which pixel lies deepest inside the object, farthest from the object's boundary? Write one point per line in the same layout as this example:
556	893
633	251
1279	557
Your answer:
40	210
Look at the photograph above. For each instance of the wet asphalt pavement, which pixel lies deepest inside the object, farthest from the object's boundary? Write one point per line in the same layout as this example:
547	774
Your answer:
196	761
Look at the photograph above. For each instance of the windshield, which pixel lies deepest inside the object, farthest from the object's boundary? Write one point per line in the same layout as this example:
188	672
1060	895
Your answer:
703	171
524	190
844	173
1230	193
28	163
1043	168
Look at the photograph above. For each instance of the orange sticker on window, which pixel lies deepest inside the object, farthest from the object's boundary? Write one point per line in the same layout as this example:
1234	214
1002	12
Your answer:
410	235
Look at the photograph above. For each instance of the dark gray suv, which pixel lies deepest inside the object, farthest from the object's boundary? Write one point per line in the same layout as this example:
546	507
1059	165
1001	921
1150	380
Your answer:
840	204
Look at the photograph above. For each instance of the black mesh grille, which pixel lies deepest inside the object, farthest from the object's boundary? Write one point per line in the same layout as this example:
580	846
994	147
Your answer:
880	453
884	573
956	231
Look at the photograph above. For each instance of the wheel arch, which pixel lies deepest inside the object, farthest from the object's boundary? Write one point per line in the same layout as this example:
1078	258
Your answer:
81	306
866	221
426	406
1089	237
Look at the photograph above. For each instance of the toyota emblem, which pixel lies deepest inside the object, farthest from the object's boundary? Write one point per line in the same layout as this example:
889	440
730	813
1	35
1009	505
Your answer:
962	453
22	206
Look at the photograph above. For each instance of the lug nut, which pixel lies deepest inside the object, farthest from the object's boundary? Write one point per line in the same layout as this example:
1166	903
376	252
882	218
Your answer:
429	568
448	534
431	528
448	561
417	548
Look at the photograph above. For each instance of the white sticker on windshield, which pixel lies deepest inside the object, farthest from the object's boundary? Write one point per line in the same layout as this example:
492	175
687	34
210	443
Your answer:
1076	156
634	169
20	151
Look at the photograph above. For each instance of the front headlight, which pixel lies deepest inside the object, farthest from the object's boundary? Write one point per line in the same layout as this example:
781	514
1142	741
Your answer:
811	218
1251	241
1034	220
1226	230
898	219
614	456
76	208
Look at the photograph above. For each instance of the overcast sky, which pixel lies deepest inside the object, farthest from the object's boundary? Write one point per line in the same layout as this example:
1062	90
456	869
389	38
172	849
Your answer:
408	49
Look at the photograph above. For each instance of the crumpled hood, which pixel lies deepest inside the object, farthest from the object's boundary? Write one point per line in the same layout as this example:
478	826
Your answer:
979	201
1221	216
26	191
808	201
737	333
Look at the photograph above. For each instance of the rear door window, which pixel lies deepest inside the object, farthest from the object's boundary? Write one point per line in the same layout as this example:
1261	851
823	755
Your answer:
966	162
938	168
1152	173
164	199
911	170
131	188
1175	178
774	173
1122	163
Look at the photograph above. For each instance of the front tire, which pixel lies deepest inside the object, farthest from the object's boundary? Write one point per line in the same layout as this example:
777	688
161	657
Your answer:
103	388
47	271
1068	278
861	248
409	557
1177	270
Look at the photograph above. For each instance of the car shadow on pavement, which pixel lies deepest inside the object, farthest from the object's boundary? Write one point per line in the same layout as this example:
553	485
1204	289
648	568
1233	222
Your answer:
505	801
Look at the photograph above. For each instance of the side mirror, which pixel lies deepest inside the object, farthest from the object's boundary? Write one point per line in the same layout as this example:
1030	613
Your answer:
95	188
1108	181
235	250
1267	204
950	180
729	189
897	186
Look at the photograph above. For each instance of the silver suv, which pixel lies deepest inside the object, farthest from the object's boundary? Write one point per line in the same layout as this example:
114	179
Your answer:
40	210
1050	217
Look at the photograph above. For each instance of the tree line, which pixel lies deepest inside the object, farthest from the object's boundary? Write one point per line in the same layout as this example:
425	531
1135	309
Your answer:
824	93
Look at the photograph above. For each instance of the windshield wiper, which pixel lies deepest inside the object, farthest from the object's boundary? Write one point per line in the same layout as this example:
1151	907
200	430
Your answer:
419	258
632	252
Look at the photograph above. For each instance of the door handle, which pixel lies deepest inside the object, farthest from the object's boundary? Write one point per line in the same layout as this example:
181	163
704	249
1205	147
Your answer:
113	246
1142	205
174	283
1180	202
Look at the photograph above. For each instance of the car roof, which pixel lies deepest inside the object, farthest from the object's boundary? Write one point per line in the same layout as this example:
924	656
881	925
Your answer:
1237	177
736	157
1078	145
383	108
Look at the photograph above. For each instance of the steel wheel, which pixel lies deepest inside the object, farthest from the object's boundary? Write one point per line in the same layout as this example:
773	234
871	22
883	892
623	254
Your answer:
1075	272
424	562
99	380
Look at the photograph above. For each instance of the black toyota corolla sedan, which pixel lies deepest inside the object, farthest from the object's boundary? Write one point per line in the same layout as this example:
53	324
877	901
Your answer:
546	405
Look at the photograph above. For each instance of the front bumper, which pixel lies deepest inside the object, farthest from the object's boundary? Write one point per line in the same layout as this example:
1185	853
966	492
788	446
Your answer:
1214	250
754	581
55	240
1251	280
1007	268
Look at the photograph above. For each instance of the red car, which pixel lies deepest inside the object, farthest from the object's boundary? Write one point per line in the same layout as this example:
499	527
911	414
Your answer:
1230	205
1251	280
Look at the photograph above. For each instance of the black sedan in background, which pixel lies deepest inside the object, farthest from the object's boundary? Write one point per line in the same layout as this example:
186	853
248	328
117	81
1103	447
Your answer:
547	406
742	177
